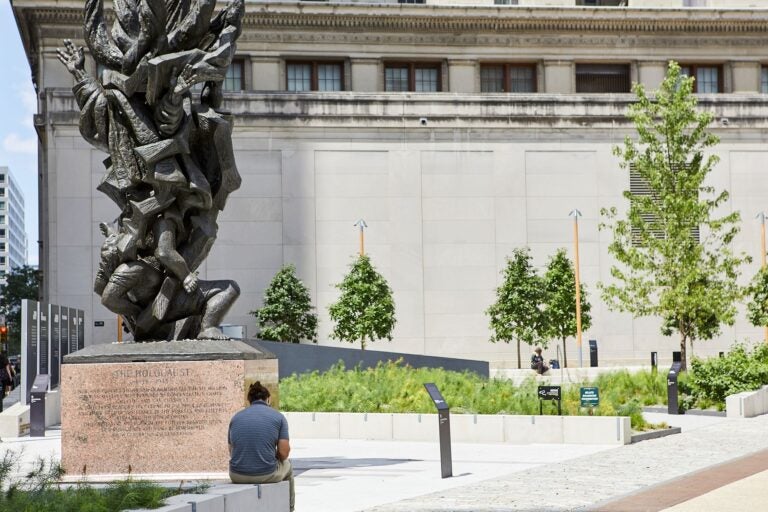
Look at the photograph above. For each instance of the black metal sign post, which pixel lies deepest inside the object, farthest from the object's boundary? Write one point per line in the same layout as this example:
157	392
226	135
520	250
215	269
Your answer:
444	422
550	393
674	371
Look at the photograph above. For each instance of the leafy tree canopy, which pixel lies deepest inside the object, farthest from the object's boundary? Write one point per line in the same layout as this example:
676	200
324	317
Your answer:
365	311
287	312
517	313
560	302
662	268
20	283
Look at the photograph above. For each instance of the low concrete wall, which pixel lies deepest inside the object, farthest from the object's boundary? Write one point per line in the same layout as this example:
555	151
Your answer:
747	404
304	358
14	421
559	376
465	428
230	498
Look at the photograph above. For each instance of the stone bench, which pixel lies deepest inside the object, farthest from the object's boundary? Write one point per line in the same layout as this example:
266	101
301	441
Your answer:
747	404
230	498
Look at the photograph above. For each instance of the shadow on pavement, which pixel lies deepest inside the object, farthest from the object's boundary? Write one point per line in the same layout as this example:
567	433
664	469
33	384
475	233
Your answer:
301	465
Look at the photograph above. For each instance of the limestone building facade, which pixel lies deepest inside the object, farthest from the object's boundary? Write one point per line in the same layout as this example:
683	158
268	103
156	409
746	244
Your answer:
458	129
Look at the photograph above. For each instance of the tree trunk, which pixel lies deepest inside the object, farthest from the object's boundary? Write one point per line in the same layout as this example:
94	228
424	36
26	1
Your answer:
565	357
519	362
683	359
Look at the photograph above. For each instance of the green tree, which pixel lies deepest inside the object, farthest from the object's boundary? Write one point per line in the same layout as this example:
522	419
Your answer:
757	309
662	268
560	300
20	283
517	313
365	310
287	311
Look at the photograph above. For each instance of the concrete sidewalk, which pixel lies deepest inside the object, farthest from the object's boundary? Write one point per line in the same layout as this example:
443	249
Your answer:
712	460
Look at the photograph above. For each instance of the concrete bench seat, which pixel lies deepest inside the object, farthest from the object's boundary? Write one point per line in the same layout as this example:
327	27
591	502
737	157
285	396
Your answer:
230	498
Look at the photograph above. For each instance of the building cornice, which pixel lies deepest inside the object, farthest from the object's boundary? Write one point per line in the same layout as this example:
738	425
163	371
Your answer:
436	18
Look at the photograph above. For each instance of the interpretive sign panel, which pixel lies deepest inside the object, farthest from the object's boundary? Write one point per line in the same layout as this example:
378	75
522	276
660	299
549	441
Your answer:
80	329
590	397
549	393
54	316
44	342
72	330
28	347
444	429
149	417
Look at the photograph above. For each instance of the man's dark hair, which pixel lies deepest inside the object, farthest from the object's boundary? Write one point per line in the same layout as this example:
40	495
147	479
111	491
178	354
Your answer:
257	392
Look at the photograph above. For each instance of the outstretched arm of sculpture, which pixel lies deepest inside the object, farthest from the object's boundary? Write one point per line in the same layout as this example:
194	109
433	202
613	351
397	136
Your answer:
168	255
74	58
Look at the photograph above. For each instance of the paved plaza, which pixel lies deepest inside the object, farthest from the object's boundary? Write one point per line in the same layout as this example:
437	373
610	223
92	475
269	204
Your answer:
702	469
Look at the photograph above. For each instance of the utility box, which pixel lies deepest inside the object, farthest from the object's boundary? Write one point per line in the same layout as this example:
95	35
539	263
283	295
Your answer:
593	353
37	406
674	371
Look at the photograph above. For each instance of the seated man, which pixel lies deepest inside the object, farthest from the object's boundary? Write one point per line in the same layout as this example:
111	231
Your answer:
537	362
258	443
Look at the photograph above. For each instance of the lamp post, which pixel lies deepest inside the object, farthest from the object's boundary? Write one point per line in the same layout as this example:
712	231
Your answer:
761	217
576	214
361	223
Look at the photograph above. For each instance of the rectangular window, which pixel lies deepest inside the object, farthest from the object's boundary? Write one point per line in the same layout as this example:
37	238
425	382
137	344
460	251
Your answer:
508	78
2	232
708	77
2	177
2	205
2	260
411	1
2	246
2	219
234	79
764	80
415	77
2	192
602	78
505	2
314	76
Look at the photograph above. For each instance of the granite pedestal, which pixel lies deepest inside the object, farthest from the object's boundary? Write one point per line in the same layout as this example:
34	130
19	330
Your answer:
156	408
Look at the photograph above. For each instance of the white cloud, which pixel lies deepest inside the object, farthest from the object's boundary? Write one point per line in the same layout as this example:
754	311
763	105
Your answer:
14	143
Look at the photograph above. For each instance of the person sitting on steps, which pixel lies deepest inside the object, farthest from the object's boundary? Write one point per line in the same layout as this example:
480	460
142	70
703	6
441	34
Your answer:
537	362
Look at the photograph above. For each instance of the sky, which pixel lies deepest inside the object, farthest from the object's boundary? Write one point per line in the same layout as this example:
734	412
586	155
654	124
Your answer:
18	140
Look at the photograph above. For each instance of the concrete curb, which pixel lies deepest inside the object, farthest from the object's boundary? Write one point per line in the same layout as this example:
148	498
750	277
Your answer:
645	436
465	428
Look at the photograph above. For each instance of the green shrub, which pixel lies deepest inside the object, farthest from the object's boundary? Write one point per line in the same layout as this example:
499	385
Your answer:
39	491
396	388
711	380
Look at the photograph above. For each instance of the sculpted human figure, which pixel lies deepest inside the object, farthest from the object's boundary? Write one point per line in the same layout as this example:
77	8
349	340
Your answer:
170	164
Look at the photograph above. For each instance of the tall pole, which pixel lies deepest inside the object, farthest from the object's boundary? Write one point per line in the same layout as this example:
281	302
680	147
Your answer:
119	328
361	223
761	216
576	214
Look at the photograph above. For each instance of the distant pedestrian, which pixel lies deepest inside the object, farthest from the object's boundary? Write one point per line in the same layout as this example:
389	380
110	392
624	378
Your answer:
537	362
6	377
258	443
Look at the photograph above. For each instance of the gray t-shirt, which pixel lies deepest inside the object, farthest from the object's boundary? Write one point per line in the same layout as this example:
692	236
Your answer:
253	434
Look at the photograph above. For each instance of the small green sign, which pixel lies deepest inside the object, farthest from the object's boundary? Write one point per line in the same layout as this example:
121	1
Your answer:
590	397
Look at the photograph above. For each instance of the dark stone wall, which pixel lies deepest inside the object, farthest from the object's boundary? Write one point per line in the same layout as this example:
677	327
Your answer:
301	358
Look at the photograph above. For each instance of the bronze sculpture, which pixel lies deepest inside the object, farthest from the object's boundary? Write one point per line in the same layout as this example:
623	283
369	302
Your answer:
155	108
